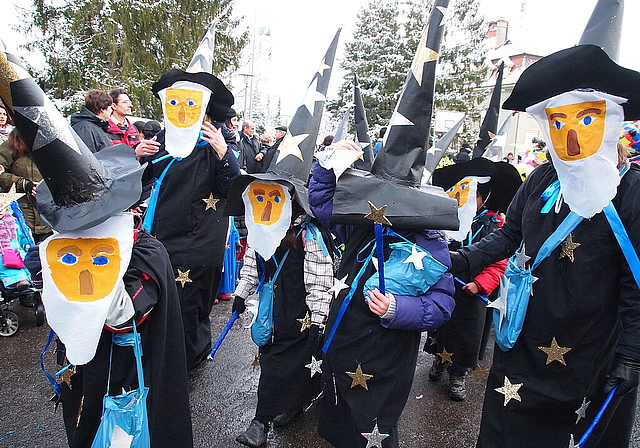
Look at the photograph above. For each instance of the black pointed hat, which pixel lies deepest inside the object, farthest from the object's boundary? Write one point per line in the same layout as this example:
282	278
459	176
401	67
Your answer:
397	170
362	129
490	122
505	180
604	28
437	151
80	189
293	160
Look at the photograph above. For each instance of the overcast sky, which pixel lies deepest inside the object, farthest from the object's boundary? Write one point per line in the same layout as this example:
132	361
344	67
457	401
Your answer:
300	32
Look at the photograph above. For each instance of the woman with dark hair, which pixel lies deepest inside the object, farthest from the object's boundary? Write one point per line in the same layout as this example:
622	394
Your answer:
19	169
5	123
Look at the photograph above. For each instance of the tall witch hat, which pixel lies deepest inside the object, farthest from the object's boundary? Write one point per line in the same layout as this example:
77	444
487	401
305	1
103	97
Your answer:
495	151
292	163
80	189
489	126
362	130
604	28
343	127
397	171
437	151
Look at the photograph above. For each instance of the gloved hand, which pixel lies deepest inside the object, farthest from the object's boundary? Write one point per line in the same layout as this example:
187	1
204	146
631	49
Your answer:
625	373
28	186
459	263
315	338
238	305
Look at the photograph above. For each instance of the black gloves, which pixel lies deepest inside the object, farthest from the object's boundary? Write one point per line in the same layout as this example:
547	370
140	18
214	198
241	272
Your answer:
625	373
459	263
27	186
315	338
238	305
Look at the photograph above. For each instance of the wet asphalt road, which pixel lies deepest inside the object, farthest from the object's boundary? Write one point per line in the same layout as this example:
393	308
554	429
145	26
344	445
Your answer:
223	398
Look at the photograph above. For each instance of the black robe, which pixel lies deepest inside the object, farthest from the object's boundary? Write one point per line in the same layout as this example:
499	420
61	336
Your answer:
285	383
590	305
195	237
163	359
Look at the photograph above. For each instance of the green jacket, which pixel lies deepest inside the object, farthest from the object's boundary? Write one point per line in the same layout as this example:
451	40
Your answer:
16	171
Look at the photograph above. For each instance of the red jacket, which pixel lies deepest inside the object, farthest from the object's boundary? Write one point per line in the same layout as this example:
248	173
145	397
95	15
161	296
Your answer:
489	279
129	136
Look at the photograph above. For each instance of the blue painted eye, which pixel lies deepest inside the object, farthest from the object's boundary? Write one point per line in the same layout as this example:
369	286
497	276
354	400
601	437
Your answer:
587	120
191	103
260	198
558	124
451	190
277	199
69	259
100	260
173	102
463	187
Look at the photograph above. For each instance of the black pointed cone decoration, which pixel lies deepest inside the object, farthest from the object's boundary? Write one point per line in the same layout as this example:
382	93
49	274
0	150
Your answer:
295	153
362	129
402	155
604	28
435	153
70	170
343	127
202	60
490	122
396	174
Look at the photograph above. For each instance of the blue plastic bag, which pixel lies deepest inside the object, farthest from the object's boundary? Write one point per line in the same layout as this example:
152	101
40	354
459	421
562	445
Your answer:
403	278
263	326
124	419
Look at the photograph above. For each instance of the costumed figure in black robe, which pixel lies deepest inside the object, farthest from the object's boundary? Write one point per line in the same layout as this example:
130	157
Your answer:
580	335
193	169
482	189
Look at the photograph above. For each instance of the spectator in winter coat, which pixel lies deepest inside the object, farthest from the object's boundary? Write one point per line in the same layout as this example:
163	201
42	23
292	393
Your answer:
120	128
252	152
92	122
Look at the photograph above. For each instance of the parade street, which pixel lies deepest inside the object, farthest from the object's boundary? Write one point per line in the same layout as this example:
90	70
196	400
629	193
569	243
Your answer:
223	398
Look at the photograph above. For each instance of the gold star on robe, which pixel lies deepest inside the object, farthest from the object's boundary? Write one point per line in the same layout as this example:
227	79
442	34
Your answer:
423	54
290	146
377	214
256	362
305	322
479	372
555	352
509	390
567	247
211	202
66	376
359	378
183	277
445	355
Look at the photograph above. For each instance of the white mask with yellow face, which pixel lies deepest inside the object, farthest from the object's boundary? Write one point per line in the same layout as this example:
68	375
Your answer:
465	192
582	130
184	105
82	283
267	208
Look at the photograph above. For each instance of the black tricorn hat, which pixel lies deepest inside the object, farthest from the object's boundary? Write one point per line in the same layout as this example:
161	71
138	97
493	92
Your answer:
579	67
505	179
221	98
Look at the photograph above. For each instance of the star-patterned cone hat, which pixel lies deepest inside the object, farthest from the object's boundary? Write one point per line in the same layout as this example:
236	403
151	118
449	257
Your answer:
80	189
362	129
397	170
489	125
293	161
435	153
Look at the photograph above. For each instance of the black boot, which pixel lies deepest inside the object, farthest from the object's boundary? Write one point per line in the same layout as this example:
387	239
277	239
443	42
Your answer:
255	435
285	418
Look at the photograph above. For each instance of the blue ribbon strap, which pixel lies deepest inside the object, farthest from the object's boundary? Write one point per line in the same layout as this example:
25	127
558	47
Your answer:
147	222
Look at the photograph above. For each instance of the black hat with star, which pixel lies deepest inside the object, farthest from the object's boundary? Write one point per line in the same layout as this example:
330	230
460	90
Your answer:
397	170
80	189
293	160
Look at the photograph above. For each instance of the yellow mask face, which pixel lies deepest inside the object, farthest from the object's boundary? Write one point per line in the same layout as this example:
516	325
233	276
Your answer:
577	130
183	107
460	192
267	201
84	269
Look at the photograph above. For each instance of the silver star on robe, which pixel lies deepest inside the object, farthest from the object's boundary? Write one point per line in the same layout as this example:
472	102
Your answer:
416	258
314	366
501	302
374	438
582	410
339	284
572	443
522	258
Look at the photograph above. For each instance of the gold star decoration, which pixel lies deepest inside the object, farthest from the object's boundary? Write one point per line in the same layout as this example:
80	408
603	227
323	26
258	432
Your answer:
183	277
567	247
509	390
445	355
305	322
9	72
423	54
66	376
56	400
377	215
290	146
211	202
555	352
256	362
479	372
359	377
